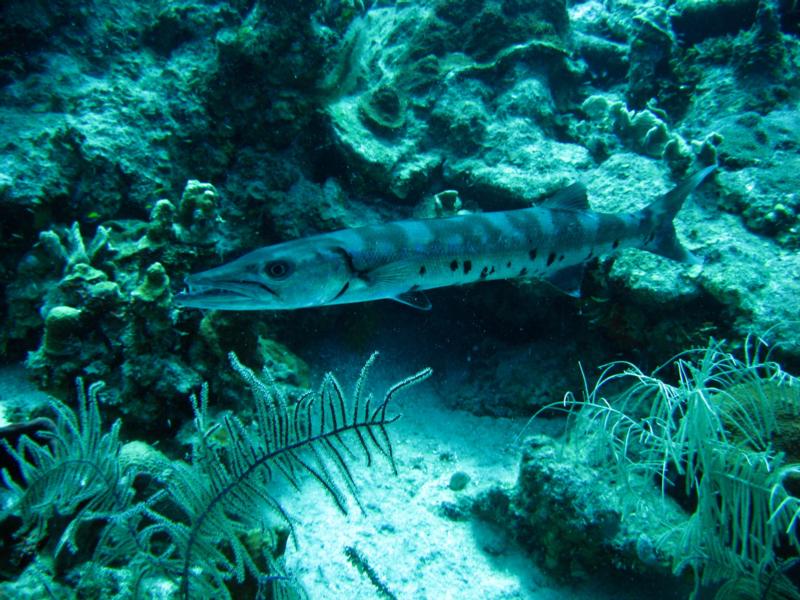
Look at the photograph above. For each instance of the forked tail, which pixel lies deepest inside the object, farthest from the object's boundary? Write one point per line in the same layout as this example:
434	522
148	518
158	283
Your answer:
662	212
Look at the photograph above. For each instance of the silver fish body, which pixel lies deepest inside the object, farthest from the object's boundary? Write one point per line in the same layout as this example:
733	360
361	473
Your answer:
401	260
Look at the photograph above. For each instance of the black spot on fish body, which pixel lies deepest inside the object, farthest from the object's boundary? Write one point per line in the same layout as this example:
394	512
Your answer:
508	265
491	271
532	254
523	271
422	270
551	258
615	245
560	258
467	266
454	265
484	272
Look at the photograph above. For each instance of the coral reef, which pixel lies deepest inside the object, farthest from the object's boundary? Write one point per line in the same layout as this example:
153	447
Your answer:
576	525
643	132
701	473
501	102
104	322
146	141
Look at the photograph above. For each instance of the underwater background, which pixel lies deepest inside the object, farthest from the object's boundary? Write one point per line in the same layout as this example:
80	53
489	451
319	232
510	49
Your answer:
155	451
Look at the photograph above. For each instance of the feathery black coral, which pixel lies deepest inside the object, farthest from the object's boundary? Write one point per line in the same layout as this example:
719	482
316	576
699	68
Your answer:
227	492
195	533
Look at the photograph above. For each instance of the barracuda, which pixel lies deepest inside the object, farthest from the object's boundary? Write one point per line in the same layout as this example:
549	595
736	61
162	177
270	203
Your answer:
401	260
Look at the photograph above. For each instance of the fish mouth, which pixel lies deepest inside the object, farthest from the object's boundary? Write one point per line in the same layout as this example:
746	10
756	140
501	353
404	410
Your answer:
236	295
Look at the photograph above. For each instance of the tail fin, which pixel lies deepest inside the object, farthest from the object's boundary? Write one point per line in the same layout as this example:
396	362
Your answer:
661	213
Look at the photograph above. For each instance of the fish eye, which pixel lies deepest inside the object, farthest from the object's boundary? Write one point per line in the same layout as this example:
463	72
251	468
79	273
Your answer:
278	269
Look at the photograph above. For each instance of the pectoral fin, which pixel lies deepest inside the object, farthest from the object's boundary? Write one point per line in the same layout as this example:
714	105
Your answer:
390	273
416	300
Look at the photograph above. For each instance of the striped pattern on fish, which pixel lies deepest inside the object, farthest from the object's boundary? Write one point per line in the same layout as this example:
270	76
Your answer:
401	260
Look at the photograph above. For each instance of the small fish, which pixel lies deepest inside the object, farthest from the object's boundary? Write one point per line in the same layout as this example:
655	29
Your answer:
400	260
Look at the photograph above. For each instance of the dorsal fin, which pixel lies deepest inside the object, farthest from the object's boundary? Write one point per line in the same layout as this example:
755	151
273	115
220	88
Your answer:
572	197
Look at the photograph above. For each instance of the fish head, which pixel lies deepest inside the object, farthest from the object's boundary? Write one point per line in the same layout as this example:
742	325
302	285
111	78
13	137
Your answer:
297	274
